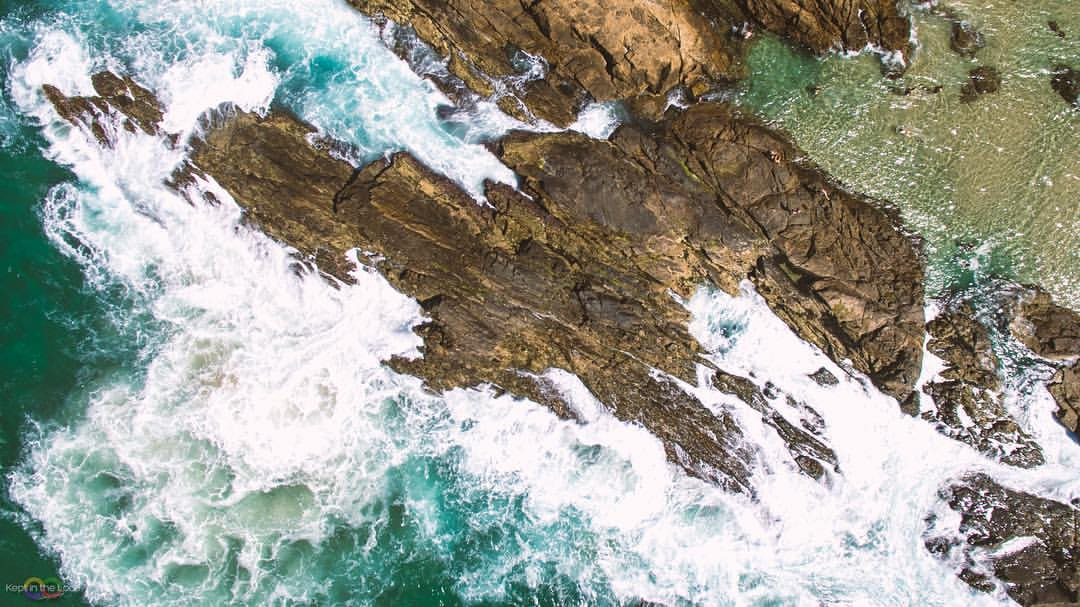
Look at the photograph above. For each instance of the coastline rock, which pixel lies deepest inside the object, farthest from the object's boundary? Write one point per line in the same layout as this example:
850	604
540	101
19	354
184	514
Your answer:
841	25
138	105
1065	388
965	404
637	51
965	40
1047	329
981	81
1031	544
575	268
602	50
1066	81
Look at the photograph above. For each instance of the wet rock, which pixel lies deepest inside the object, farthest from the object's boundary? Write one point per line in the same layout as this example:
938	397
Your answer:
981	81
1066	81
622	49
1065	388
602	50
964	40
823	377
1049	330
1029	543
845	25
965	404
1054	27
809	453
575	268
138	105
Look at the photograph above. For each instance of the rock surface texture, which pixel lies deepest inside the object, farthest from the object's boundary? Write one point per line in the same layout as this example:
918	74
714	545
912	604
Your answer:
576	268
965	403
1030	543
1053	332
634	50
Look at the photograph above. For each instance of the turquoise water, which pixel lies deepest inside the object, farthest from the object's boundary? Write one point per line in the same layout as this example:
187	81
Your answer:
188	420
993	186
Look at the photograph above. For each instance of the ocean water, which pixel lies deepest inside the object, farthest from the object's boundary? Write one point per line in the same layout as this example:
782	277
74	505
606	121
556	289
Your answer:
993	186
191	419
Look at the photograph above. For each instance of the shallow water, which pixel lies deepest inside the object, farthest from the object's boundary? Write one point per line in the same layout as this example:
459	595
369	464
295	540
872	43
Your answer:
993	182
201	424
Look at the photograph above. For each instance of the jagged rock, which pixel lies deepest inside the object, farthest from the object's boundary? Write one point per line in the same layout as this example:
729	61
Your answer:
631	50
1066	81
981	81
1049	330
808	452
1065	388
1029	543
115	94
823	377
600	50
965	40
845	25
575	269
966	403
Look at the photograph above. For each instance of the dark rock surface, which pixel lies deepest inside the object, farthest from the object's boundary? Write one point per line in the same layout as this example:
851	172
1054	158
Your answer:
823	25
115	95
1066	81
1031	544
965	40
981	81
1049	330
574	270
1065	388
632	50
965	404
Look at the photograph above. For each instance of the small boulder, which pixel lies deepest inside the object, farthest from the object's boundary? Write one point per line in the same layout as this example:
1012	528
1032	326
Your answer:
981	80
1066	81
965	40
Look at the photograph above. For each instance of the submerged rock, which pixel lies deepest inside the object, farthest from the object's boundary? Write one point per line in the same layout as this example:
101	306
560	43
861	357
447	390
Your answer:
1029	543
981	80
1066	81
965	40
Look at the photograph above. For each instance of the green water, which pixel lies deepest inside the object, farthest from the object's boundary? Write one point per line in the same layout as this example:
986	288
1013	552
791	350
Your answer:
993	186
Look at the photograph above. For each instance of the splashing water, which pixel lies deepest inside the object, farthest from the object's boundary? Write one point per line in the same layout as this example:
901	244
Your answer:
258	453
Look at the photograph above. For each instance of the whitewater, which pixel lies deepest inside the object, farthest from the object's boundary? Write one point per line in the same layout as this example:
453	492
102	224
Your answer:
261	454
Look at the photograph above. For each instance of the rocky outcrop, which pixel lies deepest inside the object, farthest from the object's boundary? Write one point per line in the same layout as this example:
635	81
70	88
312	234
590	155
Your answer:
575	268
845	25
137	105
1053	332
1049	330
964	39
600	50
965	402
1066	82
632	50
1031	544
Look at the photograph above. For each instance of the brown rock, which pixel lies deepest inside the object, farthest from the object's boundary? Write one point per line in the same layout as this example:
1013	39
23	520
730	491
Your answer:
844	25
981	81
1044	568
1065	388
604	49
1049	330
965	40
